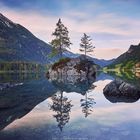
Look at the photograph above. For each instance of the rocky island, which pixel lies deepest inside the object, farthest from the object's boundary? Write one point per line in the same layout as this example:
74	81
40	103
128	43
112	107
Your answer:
79	66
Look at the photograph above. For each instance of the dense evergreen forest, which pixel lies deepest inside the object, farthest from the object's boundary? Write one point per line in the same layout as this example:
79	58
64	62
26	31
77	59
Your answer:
19	66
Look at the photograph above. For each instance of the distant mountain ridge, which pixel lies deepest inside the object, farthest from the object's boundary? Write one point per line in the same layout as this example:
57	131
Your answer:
19	44
103	62
100	62
130	58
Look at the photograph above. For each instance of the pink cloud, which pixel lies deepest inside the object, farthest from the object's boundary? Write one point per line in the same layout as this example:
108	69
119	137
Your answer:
42	26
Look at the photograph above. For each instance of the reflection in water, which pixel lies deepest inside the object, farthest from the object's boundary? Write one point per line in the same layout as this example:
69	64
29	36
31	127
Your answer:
127	76
62	106
34	90
17	101
87	103
72	83
108	121
19	77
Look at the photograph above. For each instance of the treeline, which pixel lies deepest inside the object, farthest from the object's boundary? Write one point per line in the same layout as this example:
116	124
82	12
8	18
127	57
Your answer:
18	66
126	65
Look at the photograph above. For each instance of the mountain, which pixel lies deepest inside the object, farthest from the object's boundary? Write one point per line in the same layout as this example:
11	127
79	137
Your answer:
103	62
129	58
19	44
100	62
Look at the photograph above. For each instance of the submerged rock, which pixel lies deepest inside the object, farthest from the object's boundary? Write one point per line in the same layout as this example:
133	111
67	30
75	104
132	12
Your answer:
120	91
73	66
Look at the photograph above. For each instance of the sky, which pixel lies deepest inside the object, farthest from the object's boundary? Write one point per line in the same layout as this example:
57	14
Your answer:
113	25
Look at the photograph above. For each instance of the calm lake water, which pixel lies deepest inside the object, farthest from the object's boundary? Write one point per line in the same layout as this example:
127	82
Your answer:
33	107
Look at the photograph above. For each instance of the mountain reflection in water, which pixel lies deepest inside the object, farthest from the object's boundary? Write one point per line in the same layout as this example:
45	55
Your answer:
72	104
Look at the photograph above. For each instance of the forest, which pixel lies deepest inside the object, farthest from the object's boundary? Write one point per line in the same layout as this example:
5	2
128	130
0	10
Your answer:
18	66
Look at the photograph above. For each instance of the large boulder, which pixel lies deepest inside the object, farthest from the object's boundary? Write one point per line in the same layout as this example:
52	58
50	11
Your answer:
73	66
120	91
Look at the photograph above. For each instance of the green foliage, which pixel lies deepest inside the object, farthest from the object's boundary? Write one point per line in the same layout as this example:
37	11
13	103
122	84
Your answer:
53	53
61	63
21	67
127	76
129	58
55	42
124	65
62	40
129	64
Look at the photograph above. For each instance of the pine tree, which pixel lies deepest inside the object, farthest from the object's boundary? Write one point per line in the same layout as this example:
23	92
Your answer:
62	40
86	44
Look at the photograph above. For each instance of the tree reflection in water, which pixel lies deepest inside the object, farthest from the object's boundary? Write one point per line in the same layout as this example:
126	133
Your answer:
62	106
87	103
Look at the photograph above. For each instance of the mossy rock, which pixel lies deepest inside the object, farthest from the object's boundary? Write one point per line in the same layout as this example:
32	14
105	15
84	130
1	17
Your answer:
60	64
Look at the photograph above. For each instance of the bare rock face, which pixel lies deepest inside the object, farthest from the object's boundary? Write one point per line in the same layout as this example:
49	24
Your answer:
120	91
75	66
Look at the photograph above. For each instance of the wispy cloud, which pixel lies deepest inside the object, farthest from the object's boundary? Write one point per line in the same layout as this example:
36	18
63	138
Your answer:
107	28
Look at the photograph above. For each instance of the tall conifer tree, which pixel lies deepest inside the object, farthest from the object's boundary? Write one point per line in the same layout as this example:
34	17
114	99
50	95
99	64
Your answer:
61	41
86	44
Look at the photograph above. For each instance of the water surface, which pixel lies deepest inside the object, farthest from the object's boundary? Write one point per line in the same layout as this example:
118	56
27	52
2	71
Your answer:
61	109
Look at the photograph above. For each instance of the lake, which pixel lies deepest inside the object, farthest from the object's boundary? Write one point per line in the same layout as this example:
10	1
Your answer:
33	107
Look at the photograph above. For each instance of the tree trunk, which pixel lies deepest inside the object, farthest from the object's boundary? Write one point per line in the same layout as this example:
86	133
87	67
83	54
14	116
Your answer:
85	53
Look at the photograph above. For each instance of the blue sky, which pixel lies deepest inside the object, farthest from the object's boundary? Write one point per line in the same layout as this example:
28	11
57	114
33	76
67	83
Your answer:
112	24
